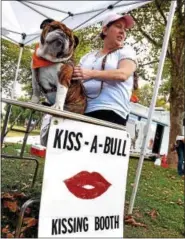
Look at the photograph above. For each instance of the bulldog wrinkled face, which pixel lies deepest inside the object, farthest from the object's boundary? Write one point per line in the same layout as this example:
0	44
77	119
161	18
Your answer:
57	42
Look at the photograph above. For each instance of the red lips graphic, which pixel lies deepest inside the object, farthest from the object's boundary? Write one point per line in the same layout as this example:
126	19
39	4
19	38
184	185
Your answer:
76	185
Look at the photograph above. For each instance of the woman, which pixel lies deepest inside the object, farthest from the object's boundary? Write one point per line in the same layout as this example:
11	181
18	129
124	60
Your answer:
109	85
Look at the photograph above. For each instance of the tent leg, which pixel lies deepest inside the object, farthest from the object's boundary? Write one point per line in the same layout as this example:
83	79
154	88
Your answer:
13	95
153	103
5	124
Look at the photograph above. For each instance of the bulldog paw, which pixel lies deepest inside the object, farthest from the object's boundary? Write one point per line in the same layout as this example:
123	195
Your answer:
58	106
60	97
34	99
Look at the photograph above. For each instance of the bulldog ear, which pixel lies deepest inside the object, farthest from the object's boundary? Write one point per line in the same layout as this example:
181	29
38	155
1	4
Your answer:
76	41
42	40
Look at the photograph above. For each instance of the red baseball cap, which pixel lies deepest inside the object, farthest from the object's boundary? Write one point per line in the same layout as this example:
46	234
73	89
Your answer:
114	17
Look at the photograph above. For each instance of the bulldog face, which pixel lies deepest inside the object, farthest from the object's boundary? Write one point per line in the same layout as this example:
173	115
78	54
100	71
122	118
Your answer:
57	42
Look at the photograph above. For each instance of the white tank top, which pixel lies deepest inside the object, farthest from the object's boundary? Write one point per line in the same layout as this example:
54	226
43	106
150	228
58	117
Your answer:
115	95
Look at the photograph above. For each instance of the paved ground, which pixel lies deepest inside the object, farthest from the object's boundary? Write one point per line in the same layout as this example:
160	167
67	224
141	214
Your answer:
30	140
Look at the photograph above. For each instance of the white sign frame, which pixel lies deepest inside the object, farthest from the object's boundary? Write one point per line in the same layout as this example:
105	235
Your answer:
75	202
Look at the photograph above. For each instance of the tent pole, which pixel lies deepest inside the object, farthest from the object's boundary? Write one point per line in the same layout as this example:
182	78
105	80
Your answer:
152	105
13	96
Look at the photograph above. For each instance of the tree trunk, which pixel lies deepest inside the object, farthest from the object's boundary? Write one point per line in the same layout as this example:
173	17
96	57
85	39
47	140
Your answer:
177	93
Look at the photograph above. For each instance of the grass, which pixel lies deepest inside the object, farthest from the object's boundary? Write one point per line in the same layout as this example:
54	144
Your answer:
160	189
20	134
20	172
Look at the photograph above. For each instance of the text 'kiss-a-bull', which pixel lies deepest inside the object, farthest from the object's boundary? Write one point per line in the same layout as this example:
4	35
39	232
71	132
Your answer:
70	140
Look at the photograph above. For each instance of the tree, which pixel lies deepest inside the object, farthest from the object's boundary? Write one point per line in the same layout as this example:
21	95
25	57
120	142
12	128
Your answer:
88	40
10	53
145	94
150	24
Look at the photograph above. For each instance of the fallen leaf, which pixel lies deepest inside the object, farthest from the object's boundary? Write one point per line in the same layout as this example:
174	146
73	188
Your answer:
19	195
10	235
130	220
153	214
138	215
12	206
5	230
30	221
179	202
7	196
138	224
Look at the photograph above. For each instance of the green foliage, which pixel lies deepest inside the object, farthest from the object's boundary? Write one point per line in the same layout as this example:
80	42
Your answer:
161	102
10	54
88	40
145	95
149	33
25	113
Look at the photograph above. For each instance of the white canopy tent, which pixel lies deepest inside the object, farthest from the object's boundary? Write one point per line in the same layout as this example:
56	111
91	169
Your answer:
20	17
21	21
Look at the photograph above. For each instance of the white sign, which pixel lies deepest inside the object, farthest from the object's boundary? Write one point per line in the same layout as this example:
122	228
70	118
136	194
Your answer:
84	181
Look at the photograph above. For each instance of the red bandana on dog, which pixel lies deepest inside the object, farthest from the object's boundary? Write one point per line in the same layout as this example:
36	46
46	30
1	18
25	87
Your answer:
38	62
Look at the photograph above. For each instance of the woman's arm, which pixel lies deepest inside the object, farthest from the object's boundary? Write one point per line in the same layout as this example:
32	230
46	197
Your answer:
125	69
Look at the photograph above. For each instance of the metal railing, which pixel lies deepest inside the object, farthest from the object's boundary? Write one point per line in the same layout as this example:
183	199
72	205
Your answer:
63	114
44	109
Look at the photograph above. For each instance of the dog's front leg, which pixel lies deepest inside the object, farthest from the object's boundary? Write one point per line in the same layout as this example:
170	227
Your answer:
65	76
36	89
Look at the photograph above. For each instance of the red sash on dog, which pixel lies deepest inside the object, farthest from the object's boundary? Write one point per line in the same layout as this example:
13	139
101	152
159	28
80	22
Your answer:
39	61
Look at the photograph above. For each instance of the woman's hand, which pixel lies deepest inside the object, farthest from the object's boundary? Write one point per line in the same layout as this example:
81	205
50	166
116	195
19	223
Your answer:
81	73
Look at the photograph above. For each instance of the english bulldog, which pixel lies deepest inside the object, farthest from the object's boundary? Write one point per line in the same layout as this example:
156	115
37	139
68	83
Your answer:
52	69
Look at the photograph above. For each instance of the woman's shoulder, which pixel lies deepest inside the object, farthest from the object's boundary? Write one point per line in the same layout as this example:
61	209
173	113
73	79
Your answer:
127	52
127	49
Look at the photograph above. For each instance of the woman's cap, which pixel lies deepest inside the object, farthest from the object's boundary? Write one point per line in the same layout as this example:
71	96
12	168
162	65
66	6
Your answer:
114	17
